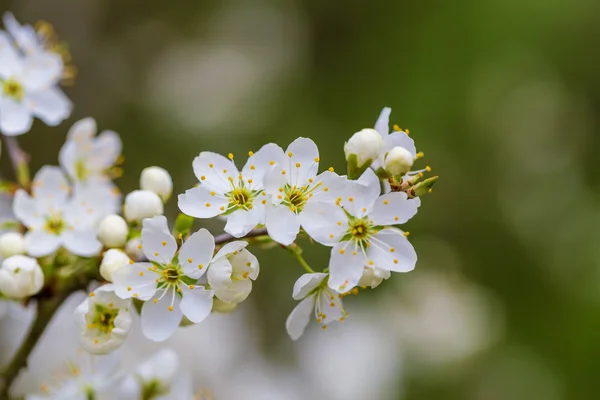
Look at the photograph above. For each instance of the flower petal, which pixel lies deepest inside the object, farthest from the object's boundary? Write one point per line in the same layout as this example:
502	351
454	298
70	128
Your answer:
390	250
161	319
196	303
213	170
197	251
329	186
363	194
261	163
40	243
157	242
302	164
393	209
82	130
25	209
51	183
198	202
15	119
235	291
230	248
282	224
12	62
83	243
50	105
299	317
240	222
41	70
330	306
306	284
219	273
382	125
105	151
324	222
133	279
346	266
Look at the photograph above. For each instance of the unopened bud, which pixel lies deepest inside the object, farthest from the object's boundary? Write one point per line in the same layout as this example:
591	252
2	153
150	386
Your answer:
133	249
361	150
157	180
20	277
422	188
12	243
112	260
222	307
398	161
373	276
141	204
113	231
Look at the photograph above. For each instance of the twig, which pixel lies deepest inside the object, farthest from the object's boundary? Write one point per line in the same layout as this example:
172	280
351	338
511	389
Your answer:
20	161
226	237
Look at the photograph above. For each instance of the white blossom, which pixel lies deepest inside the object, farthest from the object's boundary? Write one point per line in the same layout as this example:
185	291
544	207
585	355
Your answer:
360	233
104	321
112	260
224	191
315	296
133	248
113	231
231	276
20	277
365	145
28	89
292	184
157	180
398	161
56	219
12	243
391	140
373	276
168	284
141	204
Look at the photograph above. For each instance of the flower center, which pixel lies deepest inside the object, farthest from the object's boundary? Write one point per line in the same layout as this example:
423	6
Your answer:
104	318
13	89
81	171
240	197
55	224
296	197
359	230
171	275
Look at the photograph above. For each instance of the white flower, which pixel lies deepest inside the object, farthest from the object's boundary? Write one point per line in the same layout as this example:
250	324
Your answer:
28	89
158	377
112	260
12	243
398	161
133	248
314	294
223	190
56	219
157	180
365	145
359	233
20	277
25	36
170	279
231	278
113	231
292	184
141	204
219	306
88	158
104	321
391	140
373	276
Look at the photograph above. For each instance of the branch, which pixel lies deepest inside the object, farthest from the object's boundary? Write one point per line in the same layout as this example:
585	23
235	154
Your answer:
226	237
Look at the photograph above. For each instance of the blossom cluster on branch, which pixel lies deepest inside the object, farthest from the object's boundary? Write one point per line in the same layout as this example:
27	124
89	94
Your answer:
73	230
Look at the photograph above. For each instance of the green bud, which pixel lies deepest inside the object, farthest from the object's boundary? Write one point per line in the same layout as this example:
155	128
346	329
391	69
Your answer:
422	188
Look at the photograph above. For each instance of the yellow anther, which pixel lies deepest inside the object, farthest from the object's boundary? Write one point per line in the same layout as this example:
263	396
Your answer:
92	294
191	287
324	327
250	181
264	201
317	159
420	155
406	234
297	165
354	231
386	202
202	177
245	275
271	162
283	172
230	156
139	246
330	169
407	131
225	170
156	254
222	208
250	154
428	168
212	193
339	223
364	209
170	308
130	261
189	260
331	236
290	154
392	249
350	199
326	189
211	165
207	204
280	190
395	261
141	273
371	262
155	301
396	218
164	243
129	288
200	266
279	196
342	251
135	295
252	167
354	253
397	128
248	264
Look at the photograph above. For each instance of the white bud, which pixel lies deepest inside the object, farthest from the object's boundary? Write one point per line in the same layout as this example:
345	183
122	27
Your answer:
157	180
141	204
112	260
20	277
365	144
373	276
12	243
113	231
398	161
104	321
133	249
222	307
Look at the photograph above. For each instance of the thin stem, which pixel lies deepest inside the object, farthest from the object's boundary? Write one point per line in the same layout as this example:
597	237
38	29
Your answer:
302	261
226	237
20	161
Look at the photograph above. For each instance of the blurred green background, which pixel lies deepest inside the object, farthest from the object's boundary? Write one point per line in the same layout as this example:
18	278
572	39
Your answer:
502	96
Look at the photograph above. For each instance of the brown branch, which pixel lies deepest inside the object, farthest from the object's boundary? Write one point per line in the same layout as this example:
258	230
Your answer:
226	237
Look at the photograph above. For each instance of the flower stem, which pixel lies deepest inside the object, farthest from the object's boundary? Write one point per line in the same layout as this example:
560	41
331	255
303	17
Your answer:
298	253
19	161
226	237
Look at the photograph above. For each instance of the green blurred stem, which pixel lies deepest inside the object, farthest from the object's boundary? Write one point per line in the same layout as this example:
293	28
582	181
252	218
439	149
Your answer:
19	161
297	252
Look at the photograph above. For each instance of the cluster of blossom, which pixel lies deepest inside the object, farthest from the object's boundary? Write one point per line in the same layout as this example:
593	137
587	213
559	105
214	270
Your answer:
72	220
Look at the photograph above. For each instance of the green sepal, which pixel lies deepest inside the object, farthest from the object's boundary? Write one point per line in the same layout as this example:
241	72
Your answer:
354	170
382	173
422	188
9	225
137	305
183	225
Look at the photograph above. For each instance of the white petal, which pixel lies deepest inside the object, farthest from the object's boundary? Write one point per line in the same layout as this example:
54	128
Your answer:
330	186
219	273
390	250
158	322
106	149
51	183
197	250
40	243
41	70
197	303
299	317
15	118
230	248
259	164
25	209
235	291
393	209
399	139
135	279
67	157
50	105
216	178
324	222
82	242
274	183
240	222
306	284
198	202
303	164
12	62
346	266
282	224
157	242
330	306
83	129
382	125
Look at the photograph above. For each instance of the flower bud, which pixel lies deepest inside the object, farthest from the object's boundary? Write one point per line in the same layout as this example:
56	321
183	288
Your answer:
112	260
12	243
365	145
113	231
398	161
133	249
373	276
141	204
20	277
222	307
157	180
